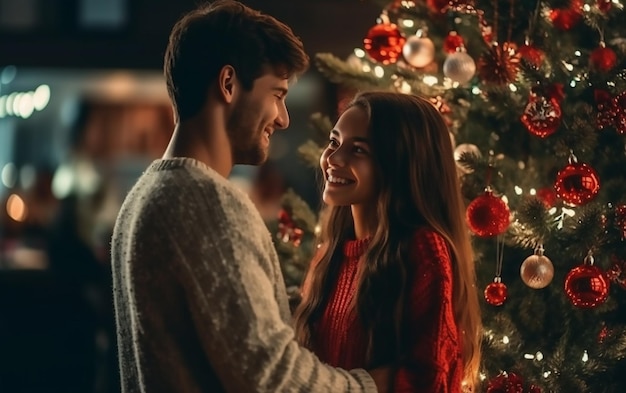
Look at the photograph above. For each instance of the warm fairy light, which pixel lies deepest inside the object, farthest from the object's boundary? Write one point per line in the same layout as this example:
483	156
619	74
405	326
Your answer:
505	340
532	191
529	356
512	87
358	52
476	90
518	190
577	53
585	356
430	80
408	23
586	8
16	208
539	356
568	66
546	374
405	87
366	68
379	71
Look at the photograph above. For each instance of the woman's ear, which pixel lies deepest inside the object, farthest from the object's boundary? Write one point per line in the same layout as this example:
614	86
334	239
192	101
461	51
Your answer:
228	83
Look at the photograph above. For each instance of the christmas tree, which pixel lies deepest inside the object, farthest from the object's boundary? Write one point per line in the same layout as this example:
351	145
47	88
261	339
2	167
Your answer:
534	93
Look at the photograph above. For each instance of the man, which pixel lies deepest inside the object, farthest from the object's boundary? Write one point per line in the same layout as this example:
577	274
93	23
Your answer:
199	296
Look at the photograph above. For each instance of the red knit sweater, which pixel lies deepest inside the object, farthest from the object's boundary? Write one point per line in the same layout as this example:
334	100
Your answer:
435	364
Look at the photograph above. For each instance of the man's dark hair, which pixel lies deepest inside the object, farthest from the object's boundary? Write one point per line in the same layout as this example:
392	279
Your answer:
221	33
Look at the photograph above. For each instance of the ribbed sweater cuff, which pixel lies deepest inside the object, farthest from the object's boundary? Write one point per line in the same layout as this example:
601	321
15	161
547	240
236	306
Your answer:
365	379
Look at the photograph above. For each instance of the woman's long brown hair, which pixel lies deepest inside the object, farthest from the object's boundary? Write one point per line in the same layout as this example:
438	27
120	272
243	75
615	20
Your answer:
419	186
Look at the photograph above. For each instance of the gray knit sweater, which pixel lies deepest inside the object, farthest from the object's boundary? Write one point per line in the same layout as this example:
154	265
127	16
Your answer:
199	296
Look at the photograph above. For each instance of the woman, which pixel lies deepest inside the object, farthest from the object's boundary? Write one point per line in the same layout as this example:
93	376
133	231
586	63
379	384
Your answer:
393	282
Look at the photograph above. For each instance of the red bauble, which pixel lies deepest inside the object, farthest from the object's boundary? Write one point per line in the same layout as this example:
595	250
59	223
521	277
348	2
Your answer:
542	115
384	43
506	383
531	54
488	215
452	42
603	59
577	183
495	293
586	286
566	18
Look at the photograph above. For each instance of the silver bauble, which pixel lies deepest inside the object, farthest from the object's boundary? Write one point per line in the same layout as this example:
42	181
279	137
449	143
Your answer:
460	67
418	51
537	271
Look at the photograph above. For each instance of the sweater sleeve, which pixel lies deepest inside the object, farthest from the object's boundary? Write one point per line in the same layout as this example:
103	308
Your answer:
433	359
232	300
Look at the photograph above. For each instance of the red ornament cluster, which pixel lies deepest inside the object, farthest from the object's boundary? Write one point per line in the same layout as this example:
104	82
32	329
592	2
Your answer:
611	110
288	232
510	383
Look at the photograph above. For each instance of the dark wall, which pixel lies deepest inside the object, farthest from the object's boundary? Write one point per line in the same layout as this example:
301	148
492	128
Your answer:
56	35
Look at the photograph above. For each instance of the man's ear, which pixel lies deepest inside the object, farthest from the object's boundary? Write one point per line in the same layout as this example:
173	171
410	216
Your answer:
228	83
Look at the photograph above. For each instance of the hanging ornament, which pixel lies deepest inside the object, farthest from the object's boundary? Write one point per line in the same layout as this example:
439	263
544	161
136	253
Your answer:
500	64
566	18
506	383
384	43
488	215
537	270
418	51
288	232
586	286
611	110
459	67
577	183
532	54
465	148
496	292
602	59
453	42
617	272
542	115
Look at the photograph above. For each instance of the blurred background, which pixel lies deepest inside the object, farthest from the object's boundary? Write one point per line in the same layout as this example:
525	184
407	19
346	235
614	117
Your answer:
83	110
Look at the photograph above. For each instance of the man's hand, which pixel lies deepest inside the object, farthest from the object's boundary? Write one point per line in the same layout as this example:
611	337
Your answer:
383	377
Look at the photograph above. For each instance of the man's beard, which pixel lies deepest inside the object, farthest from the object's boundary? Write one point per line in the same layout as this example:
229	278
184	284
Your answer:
245	139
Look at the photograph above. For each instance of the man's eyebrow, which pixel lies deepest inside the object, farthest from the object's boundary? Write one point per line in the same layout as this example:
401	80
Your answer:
282	90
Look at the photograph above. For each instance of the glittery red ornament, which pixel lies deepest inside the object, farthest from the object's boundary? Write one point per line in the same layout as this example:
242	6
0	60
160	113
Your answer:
604	5
384	43
586	286
488	215
542	115
532	54
603	59
611	110
496	293
288	232
577	183
506	383
452	42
